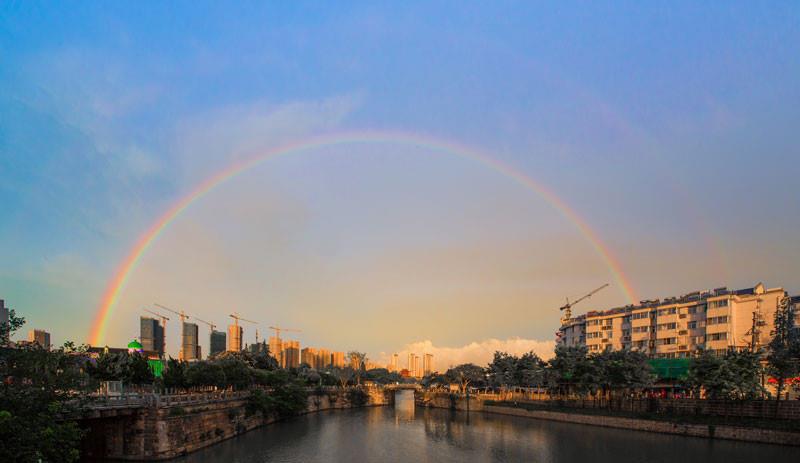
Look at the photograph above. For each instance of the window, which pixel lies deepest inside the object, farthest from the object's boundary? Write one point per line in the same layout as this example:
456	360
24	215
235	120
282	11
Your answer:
671	311
718	337
640	329
717	304
692	325
639	315
717	320
667	341
666	326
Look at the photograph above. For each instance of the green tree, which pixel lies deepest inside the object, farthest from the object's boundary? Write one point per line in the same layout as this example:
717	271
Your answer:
466	375
358	362
38	396
502	371
531	371
174	375
783	359
343	375
237	372
568	367
205	374
622	370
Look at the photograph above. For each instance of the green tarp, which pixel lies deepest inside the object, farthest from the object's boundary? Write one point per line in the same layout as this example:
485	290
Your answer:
156	366
670	368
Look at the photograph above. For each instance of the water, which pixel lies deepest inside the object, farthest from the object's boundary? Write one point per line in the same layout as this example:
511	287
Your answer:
404	433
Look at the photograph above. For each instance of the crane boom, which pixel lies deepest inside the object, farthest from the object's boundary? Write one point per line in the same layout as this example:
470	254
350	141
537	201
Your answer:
236	317
181	314
210	325
567	308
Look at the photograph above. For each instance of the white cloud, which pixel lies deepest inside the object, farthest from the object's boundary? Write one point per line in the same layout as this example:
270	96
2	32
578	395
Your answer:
477	352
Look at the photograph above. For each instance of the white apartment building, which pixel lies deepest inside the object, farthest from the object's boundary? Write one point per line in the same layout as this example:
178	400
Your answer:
678	326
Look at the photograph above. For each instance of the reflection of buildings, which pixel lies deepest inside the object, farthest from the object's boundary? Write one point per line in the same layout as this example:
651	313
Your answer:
40	337
677	326
190	347
404	406
151	335
235	333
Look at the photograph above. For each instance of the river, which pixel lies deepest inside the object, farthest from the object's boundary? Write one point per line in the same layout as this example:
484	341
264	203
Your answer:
404	433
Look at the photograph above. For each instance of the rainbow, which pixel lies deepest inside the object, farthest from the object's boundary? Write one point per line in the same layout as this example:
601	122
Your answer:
117	284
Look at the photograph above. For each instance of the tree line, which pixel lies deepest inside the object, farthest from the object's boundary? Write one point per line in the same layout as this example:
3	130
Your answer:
573	371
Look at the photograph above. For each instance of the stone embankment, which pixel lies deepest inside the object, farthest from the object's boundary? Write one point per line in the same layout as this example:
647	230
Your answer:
180	425
481	403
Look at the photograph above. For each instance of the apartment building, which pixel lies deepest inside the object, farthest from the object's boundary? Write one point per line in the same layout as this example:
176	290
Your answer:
678	326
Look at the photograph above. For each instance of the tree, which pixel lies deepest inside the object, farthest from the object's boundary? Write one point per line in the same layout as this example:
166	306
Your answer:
358	361
531	371
174	375
784	347
622	370
7	329
237	372
502	371
568	366
465	375
37	397
205	374
342	375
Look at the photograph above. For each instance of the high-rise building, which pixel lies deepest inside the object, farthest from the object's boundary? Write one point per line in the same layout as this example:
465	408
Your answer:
394	363
190	347
216	343
276	348
337	359
413	366
309	356
677	327
235	333
324	357
40	337
417	369
291	354
151	335
427	364
3	313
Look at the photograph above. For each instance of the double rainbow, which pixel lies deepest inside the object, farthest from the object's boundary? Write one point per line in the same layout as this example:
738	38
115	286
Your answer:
117	284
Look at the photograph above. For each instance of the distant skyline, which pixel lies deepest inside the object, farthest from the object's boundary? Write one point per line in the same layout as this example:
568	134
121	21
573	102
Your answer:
669	131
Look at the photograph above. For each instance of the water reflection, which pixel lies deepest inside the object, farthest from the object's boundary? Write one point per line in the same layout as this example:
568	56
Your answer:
404	406
405	433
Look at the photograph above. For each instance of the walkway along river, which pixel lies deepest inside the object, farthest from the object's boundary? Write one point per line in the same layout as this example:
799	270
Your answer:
405	433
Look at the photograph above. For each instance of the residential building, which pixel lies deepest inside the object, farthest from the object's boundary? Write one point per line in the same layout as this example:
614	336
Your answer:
337	359
235	335
276	348
427	364
324	357
394	363
151	335
310	357
675	327
217	342
291	354
190	346
40	337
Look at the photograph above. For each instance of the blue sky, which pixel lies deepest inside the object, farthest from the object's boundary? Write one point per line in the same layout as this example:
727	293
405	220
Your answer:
671	128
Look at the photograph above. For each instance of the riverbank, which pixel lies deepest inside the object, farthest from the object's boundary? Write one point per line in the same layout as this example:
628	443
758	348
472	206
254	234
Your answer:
663	425
167	431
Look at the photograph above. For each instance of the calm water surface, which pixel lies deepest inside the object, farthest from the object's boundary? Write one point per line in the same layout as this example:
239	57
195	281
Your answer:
404	433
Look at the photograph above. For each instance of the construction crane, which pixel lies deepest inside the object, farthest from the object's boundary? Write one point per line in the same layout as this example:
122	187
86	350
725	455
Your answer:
181	314
164	320
211	326
183	317
567	308
279	329
235	316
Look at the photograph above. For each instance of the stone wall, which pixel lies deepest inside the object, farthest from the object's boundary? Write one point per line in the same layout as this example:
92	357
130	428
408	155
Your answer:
169	430
768	436
479	403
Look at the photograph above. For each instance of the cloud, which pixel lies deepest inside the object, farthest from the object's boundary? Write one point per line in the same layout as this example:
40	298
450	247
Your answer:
477	352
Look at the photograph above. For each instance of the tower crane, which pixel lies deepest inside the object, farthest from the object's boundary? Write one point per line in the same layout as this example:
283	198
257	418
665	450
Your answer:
211	326
278	330
235	343
183	317
164	320
567	308
180	314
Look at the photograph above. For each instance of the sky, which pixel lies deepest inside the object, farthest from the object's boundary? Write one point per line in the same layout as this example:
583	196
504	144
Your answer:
669	129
